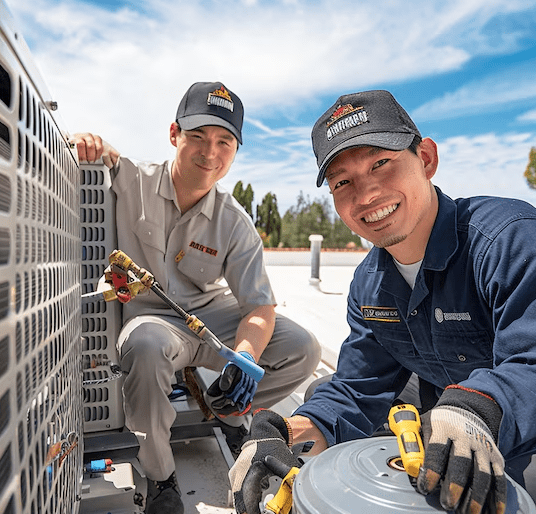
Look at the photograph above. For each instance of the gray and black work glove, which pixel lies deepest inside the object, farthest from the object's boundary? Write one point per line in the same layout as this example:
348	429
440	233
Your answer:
269	435
232	392
460	452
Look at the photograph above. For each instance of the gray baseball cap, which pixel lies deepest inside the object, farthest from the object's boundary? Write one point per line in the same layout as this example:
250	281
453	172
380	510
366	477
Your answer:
369	118
211	103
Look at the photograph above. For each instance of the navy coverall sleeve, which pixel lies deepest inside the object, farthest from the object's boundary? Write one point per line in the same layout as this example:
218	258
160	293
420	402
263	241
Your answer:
506	277
357	400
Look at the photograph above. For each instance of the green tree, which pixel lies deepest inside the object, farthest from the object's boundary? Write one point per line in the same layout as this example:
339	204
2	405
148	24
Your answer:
269	221
341	235
244	196
304	219
530	172
315	217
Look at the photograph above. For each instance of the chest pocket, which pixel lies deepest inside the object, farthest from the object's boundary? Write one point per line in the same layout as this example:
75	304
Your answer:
151	235
463	352
201	269
396	341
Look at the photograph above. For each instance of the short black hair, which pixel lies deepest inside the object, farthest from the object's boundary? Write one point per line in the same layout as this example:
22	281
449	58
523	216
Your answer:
415	144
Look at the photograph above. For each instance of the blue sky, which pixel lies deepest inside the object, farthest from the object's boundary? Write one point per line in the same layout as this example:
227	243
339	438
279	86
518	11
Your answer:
465	70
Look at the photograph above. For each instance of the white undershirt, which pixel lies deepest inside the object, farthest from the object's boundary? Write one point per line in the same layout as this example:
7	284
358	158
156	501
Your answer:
409	271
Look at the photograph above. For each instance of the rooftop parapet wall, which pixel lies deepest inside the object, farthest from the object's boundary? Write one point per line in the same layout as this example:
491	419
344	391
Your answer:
302	257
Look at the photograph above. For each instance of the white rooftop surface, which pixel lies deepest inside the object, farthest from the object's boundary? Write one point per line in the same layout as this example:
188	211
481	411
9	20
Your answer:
319	306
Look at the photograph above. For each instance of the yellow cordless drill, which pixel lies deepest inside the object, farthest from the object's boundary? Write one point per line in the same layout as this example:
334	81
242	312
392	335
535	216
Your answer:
405	423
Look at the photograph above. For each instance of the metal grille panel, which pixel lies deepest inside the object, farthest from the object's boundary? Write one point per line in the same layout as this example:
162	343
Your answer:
40	275
101	321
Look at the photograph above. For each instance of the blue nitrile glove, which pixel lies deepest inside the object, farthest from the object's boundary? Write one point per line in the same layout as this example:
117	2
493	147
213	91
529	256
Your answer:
234	390
460	453
271	435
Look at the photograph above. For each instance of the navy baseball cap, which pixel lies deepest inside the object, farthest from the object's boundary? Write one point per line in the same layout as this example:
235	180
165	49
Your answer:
211	103
369	118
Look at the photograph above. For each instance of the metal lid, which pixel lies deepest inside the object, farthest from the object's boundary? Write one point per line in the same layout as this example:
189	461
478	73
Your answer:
366	476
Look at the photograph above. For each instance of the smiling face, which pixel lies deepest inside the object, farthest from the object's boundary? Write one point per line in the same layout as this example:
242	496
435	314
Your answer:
204	156
387	197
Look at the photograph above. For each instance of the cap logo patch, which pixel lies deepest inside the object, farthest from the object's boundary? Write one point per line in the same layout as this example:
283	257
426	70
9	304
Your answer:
345	117
221	98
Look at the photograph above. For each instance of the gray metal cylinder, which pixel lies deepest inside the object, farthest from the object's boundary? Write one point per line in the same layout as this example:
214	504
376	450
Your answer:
316	246
366	477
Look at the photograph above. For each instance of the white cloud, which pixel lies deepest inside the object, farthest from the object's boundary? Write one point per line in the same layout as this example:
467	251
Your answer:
282	178
496	91
285	168
527	117
121	73
487	164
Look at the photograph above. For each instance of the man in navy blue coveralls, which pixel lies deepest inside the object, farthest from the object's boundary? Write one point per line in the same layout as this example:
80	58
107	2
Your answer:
448	293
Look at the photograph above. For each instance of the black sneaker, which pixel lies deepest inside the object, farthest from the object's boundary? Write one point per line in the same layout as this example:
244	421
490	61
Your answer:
163	497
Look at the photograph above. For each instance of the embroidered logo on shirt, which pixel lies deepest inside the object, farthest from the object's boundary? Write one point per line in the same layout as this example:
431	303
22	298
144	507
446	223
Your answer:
221	98
441	316
344	118
203	248
385	314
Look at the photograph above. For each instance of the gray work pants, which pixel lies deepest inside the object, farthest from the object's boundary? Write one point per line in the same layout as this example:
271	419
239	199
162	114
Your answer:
153	348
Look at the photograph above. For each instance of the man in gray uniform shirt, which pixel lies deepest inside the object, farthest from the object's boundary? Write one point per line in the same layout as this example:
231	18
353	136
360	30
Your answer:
174	220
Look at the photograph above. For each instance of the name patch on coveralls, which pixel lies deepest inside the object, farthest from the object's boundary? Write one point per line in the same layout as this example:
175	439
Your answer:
203	248
385	314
